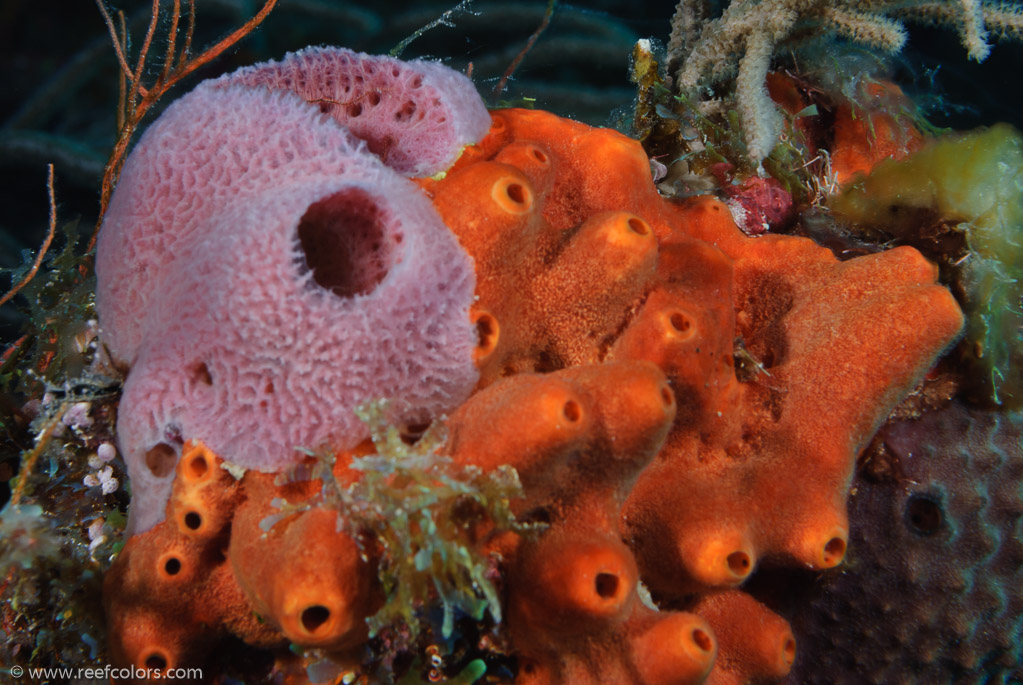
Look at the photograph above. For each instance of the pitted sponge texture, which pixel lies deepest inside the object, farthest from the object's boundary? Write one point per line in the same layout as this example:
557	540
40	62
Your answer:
416	116
262	273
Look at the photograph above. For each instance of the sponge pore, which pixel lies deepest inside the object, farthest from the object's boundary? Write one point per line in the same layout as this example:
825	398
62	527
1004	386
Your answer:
416	116
262	273
344	243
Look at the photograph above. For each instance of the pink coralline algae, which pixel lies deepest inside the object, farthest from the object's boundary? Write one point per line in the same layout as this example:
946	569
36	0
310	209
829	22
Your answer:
262	272
757	204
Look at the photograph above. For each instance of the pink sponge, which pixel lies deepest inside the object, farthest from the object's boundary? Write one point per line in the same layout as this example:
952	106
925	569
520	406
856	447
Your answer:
416	116
168	188
262	273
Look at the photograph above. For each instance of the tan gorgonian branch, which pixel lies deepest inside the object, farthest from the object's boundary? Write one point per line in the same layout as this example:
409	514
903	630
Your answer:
685	28
972	32
878	32
709	58
1003	20
760	118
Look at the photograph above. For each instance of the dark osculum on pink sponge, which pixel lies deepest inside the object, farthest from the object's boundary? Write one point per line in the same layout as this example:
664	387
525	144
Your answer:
261	272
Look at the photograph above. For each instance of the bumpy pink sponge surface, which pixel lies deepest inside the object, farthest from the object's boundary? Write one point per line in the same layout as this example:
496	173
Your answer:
415	117
262	272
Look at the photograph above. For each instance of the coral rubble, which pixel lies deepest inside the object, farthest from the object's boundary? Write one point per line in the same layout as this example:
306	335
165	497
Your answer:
679	400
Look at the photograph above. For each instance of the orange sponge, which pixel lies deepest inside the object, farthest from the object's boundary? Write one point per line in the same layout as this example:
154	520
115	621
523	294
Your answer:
579	261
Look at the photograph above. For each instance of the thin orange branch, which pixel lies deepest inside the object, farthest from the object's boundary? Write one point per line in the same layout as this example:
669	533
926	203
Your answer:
172	37
118	48
214	52
43	249
140	65
137	110
28	463
548	13
188	33
122	81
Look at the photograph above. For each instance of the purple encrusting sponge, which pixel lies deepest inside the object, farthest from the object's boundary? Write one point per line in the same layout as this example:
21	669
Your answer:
261	272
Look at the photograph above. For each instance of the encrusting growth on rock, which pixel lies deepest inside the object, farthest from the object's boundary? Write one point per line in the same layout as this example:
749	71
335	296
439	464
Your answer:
952	511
